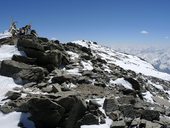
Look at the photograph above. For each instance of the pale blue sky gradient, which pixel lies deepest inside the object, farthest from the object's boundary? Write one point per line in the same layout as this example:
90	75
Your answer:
105	21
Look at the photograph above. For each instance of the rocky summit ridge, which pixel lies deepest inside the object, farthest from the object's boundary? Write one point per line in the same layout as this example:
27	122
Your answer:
80	83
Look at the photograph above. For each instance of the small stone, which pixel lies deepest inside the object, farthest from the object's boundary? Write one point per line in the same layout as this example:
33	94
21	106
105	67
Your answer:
118	124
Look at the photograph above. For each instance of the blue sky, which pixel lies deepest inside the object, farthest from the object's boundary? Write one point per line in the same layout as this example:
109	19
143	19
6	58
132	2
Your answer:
105	21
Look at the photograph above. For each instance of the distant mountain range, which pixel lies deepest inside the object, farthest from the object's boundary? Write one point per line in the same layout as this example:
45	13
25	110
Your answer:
158	57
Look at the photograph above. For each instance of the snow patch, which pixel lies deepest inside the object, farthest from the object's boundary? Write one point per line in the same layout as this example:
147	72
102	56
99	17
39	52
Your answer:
87	65
5	35
148	96
73	55
156	85
123	82
11	120
108	120
7	51
74	71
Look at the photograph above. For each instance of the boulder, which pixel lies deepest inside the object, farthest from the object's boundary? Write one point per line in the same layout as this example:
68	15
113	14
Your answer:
12	95
110	105
45	113
75	108
35	74
62	78
29	43
22	73
129	111
135	84
24	59
126	100
88	119
118	124
10	67
150	115
5	109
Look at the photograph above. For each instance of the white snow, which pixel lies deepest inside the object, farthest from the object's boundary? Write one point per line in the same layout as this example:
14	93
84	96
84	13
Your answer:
87	65
11	120
158	56
156	85
6	84
108	120
127	62
74	71
5	35
7	51
73	55
123	82
71	85
148	97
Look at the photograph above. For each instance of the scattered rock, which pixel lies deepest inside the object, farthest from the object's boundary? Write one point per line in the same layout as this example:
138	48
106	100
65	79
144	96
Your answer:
118	124
12	95
150	115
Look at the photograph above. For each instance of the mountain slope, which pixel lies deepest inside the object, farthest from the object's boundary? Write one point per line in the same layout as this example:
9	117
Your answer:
158	57
79	84
127	62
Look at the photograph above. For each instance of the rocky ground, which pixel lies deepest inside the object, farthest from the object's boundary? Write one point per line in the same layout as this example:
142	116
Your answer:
61	82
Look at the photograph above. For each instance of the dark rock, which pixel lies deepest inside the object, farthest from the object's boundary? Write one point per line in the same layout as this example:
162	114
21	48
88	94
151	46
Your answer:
118	124
113	115
110	105
129	111
150	115
42	39
8	40
77	110
29	43
35	74
89	119
22	73
10	67
45	113
83	80
101	60
61	79
24	59
86	57
86	50
5	109
135	84
12	95
126	100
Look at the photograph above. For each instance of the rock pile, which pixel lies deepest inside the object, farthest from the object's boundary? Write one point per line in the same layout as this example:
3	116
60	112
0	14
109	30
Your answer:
61	82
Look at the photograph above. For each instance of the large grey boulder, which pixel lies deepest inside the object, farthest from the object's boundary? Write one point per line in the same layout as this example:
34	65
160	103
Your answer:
150	115
10	67
110	105
29	43
24	59
75	108
118	124
45	113
22	73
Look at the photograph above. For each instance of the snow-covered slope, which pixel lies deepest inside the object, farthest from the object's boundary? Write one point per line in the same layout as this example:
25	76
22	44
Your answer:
158	57
127	62
6	84
5	34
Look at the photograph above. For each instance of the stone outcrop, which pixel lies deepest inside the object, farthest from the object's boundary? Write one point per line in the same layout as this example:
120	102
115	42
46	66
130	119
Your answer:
61	85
